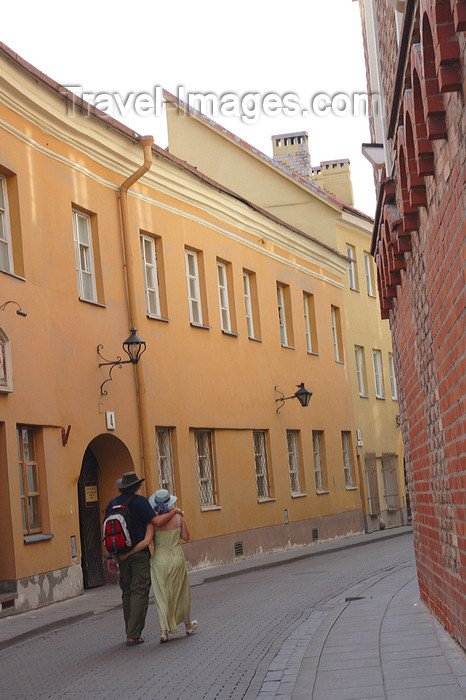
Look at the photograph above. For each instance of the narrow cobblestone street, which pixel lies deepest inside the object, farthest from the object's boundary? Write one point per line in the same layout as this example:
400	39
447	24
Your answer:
244	622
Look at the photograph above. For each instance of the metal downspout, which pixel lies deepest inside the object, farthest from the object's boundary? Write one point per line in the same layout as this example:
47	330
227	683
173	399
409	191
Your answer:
146	142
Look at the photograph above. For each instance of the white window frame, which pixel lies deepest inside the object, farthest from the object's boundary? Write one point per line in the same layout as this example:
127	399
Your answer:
261	464
368	270
336	345
350	252
165	459
84	253
248	303
307	322
293	461
391	367
194	289
5	227
205	467
6	370
378	374
223	297
359	357
282	315
347	460
29	478
318	459
149	266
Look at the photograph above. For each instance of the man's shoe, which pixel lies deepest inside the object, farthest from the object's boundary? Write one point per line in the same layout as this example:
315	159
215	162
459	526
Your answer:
134	642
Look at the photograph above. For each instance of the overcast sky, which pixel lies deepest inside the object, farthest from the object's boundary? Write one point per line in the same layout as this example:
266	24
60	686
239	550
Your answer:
298	47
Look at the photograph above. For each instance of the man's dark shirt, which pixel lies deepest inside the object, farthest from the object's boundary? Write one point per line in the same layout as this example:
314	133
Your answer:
141	513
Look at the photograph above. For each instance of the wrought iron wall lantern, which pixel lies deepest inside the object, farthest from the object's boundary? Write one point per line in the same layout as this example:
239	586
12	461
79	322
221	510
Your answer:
19	310
133	346
303	396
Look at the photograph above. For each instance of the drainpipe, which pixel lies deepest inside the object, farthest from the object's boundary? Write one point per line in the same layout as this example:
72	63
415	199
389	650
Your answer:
146	142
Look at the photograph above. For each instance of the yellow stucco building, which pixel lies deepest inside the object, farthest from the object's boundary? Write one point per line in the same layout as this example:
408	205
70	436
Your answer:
285	185
103	232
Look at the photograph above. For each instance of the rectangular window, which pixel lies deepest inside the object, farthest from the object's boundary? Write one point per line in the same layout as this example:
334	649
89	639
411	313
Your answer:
347	458
319	468
378	374
223	297
336	334
391	367
165	459
372	484
84	256
369	277
282	315
194	289
6	255
293	461
248	303
29	480
310	323
205	467
151	278
351	253
251	304
360	369
262	466
390	481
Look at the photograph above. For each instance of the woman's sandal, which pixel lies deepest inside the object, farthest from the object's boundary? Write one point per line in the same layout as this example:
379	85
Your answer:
134	642
192	629
163	638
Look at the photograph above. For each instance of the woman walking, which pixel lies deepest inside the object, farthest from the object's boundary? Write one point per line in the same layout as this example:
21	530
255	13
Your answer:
168	570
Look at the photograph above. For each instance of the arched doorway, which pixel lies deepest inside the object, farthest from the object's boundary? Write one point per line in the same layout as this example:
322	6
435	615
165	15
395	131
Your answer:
105	459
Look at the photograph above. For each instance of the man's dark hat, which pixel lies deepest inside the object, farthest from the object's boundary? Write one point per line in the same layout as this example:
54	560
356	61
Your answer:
127	480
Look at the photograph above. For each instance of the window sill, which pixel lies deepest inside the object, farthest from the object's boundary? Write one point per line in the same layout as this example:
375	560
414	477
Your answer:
372	296
351	488
39	537
158	318
6	389
93	303
353	289
380	398
205	509
322	493
316	354
199	325
288	347
12	274
339	362
298	495
233	335
256	340
266	500
363	396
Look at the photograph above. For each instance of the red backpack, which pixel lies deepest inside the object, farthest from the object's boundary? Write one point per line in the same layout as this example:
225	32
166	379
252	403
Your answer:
118	529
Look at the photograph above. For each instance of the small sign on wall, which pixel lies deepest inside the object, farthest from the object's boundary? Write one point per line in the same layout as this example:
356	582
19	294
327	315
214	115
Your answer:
110	416
91	493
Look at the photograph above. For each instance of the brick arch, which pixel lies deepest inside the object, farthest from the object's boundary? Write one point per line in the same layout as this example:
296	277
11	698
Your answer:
441	15
414	101
419	159
432	97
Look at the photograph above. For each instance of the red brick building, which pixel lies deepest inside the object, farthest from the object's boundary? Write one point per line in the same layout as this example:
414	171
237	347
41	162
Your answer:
415	59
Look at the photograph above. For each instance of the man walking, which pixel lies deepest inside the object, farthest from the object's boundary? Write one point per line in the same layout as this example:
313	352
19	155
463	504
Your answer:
135	569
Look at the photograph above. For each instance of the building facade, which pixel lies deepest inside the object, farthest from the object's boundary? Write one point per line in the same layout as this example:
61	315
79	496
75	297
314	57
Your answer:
415	56
319	200
103	232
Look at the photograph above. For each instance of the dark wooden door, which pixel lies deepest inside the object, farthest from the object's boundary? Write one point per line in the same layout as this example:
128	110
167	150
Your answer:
89	522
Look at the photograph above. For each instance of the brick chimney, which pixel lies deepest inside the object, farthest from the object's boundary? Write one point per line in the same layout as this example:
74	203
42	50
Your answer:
292	151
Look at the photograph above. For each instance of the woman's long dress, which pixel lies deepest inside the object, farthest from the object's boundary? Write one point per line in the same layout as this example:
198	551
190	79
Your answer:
170	581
